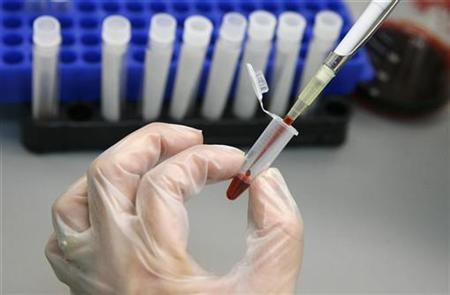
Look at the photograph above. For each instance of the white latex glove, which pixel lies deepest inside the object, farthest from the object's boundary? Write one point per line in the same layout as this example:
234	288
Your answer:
123	228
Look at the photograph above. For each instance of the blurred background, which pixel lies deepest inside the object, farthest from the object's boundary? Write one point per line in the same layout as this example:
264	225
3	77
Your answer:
375	202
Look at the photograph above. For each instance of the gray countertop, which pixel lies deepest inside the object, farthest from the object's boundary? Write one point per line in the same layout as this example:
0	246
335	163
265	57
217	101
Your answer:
375	210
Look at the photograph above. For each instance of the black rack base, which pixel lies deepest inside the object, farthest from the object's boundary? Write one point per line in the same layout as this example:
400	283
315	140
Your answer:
81	128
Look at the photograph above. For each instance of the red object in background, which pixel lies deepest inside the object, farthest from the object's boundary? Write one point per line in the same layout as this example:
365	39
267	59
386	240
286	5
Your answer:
413	29
425	4
412	85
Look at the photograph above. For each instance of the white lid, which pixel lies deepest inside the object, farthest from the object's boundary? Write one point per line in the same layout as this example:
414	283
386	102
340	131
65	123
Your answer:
46	31
258	81
233	27
262	25
291	26
197	30
116	30
327	25
162	28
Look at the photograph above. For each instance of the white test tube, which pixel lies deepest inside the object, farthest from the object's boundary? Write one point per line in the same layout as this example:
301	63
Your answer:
196	37
157	63
46	43
223	65
116	34
327	27
257	49
291	26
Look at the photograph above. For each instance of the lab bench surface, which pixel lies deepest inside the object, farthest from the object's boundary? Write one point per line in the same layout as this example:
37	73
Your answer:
375	210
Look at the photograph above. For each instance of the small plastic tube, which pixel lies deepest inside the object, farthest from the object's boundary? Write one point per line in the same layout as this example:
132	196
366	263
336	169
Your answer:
327	27
291	27
157	64
261	155
46	44
116	34
223	66
196	37
257	48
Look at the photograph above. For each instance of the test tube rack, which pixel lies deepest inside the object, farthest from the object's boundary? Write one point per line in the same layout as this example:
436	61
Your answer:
80	58
82	128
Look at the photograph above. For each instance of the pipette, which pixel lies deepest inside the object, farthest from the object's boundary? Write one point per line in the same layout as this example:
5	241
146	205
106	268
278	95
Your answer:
278	133
326	31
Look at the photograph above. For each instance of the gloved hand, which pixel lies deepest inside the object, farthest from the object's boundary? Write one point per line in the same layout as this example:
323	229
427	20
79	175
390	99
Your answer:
123	228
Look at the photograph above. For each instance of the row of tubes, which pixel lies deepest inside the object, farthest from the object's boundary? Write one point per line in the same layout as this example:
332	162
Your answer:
259	32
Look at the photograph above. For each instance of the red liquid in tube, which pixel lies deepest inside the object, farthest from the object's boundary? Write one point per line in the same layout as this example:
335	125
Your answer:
238	185
241	182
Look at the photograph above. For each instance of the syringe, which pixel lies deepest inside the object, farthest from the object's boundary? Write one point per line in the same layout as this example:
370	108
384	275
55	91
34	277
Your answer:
278	133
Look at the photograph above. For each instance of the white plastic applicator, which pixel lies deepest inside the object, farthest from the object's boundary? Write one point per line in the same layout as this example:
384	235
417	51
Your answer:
116	34
291	27
327	27
259	43
157	64
196	37
46	43
223	65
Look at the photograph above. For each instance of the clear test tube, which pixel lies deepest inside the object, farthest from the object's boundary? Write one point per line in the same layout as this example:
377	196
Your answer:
196	37
223	66
262	154
327	27
46	44
291	26
257	49
157	63
116	34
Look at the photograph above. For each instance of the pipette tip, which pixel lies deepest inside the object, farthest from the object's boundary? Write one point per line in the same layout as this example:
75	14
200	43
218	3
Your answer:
288	120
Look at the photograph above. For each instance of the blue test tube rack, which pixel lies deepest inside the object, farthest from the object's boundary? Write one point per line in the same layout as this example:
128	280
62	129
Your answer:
80	56
80	126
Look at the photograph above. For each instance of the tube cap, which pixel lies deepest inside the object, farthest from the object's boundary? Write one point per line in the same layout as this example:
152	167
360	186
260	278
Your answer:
327	25
258	81
116	30
162	28
197	30
291	26
262	25
46	31
233	27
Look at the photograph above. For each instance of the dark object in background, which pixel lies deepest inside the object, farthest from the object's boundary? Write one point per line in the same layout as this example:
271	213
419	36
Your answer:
80	127
412	71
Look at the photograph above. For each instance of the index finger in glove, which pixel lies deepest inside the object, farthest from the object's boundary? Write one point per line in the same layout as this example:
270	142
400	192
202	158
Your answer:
164	189
115	174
